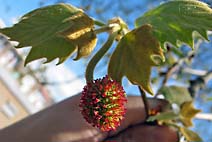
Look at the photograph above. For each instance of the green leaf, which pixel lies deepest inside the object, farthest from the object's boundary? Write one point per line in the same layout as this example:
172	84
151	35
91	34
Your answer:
170	59
187	112
134	56
190	135
176	21
163	116
54	32
209	99
176	94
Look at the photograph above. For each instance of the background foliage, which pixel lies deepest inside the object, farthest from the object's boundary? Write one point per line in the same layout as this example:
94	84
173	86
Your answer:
183	67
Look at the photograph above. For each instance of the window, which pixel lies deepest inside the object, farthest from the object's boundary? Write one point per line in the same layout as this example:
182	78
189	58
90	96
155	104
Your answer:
9	109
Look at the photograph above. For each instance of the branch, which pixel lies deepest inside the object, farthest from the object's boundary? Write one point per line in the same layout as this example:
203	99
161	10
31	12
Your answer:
205	116
195	71
173	68
103	29
199	82
178	64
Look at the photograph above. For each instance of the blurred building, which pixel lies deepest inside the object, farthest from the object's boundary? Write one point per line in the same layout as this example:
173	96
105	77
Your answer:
16	103
26	90
12	108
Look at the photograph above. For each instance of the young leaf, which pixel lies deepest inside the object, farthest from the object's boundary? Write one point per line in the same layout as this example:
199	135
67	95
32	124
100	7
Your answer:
176	94
163	116
134	56
54	32
177	20
209	99
187	112
190	135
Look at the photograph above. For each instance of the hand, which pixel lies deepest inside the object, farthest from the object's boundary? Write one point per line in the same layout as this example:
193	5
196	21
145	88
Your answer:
145	133
64	123
138	132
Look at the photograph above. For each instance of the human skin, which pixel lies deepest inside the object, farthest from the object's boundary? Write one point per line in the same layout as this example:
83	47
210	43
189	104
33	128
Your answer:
63	122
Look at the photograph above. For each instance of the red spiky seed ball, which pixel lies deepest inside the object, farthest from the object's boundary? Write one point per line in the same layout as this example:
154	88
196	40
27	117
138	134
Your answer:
102	103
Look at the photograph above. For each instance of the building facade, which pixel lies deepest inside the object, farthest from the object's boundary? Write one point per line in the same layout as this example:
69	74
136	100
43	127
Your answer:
11	108
27	90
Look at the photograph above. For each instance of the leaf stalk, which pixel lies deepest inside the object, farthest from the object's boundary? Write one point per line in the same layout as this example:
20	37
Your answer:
96	58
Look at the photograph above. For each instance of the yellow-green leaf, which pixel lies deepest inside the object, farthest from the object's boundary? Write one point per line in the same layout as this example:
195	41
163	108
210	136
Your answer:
54	32
163	116
190	135
187	112
176	20
134	56
176	94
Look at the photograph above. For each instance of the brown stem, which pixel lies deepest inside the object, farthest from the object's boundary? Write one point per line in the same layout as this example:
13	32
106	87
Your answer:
173	68
144	98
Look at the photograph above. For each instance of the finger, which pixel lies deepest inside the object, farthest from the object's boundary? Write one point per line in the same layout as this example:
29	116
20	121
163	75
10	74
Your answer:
136	111
145	133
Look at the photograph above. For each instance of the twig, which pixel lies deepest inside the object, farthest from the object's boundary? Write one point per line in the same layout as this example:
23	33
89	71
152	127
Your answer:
144	98
196	84
195	71
99	23
173	68
205	116
103	29
176	65
207	76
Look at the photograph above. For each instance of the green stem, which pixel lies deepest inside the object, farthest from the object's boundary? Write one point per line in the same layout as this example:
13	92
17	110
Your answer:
99	23
93	62
144	98
103	29
172	124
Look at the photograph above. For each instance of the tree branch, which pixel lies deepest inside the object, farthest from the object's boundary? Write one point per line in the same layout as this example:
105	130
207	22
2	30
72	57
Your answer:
174	68
205	116
199	82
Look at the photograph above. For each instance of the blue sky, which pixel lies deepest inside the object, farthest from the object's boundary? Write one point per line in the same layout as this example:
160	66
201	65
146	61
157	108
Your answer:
10	10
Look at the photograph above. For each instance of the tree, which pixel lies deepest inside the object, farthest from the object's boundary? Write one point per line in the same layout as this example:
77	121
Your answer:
155	38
